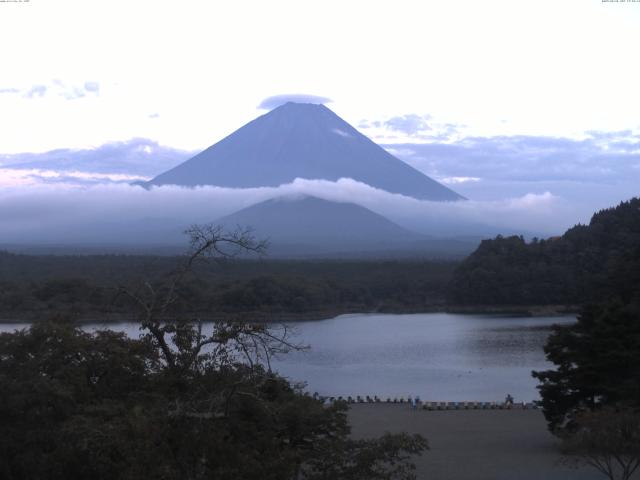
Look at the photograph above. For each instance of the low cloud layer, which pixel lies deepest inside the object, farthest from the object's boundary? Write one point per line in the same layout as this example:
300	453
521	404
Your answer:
11	177
120	213
275	101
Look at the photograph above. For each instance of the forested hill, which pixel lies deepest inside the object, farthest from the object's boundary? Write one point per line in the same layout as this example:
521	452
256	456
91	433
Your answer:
588	263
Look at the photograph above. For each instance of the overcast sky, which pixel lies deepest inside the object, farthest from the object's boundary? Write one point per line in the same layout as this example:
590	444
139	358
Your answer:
496	98
81	73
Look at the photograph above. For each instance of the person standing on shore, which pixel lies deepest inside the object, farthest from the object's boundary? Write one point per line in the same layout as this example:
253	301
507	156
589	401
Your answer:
508	401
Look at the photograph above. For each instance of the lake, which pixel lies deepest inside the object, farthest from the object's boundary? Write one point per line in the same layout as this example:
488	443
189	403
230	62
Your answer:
437	356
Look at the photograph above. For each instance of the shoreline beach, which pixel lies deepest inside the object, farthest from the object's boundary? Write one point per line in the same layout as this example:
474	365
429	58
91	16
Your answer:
473	444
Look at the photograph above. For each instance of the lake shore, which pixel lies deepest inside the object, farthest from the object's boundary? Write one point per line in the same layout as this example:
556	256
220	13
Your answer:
472	444
280	316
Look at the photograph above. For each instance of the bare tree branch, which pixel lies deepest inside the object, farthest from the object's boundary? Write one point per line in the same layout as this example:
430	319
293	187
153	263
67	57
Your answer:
183	346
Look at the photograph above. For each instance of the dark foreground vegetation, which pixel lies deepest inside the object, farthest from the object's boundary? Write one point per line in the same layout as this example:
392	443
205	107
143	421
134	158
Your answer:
87	286
103	406
178	403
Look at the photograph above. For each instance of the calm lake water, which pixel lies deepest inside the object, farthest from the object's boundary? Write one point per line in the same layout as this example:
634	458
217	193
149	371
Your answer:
438	356
441	357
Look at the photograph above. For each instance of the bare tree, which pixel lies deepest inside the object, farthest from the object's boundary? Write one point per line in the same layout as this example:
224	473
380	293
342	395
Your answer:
607	440
186	345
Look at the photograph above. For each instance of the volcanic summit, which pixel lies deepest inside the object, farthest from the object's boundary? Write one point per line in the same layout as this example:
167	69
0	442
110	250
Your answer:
301	140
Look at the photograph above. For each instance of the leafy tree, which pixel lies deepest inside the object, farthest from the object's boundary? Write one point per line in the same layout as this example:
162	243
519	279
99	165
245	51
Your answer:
597	363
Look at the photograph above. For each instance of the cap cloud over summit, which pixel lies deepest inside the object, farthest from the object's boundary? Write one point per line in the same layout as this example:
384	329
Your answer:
275	101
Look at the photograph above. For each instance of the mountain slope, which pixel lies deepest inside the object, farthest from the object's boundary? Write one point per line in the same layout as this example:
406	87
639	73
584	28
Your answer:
321	223
299	140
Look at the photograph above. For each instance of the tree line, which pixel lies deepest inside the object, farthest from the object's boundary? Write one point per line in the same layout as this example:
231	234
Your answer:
597	260
87	285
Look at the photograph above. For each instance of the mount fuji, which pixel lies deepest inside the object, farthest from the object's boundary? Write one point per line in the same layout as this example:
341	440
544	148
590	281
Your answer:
301	140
